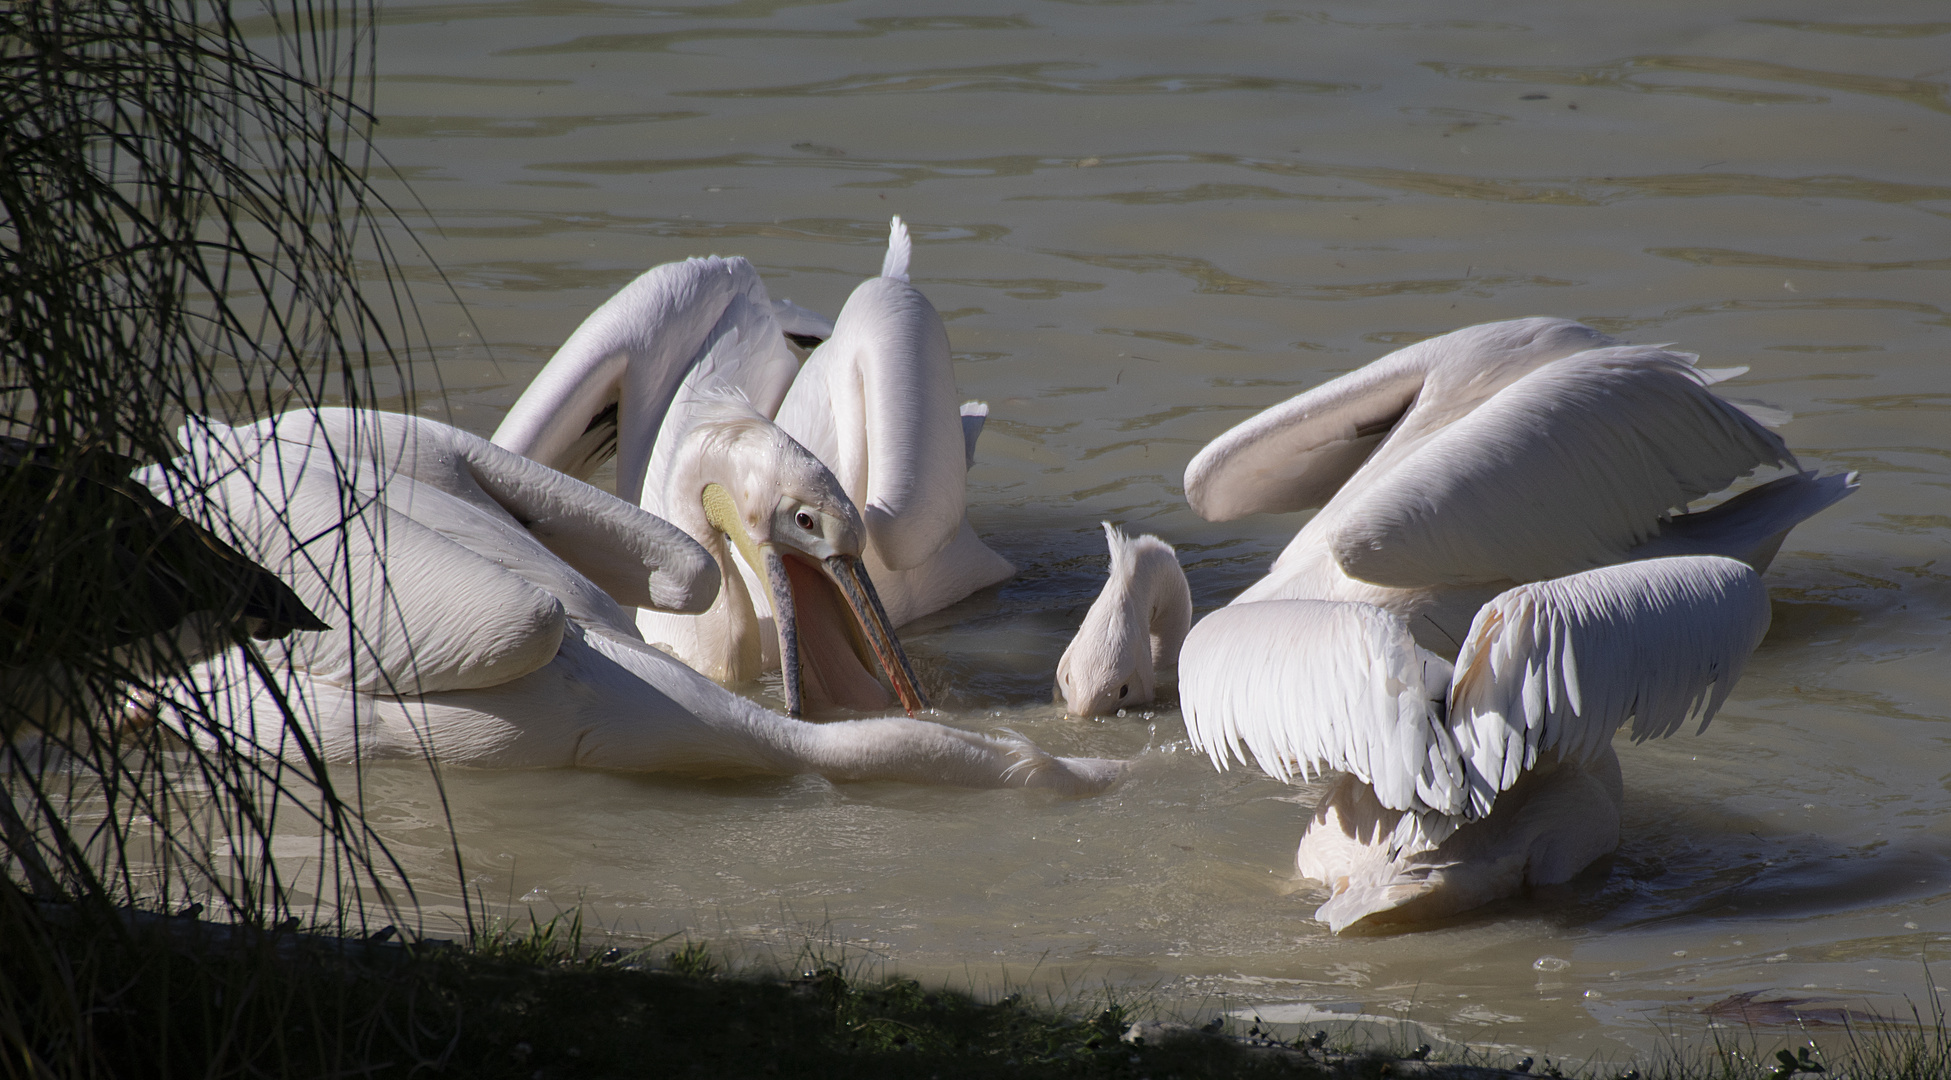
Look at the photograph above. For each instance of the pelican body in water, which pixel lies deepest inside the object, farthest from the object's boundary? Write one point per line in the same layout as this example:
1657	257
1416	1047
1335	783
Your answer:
1464	784
874	403
482	598
1506	497
1132	631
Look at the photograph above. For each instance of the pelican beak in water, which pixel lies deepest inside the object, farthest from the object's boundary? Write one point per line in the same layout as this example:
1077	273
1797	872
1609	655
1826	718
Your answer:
835	643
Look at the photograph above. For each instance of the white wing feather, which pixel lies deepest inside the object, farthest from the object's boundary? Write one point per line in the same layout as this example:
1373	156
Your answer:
1312	684
1565	469
413	609
607	391
637	558
1750	526
1296	455
1560	665
457	561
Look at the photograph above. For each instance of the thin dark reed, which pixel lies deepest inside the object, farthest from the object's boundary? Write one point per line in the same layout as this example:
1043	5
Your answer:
186	230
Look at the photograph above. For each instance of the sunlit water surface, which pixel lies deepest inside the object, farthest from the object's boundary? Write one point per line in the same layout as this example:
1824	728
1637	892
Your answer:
1143	222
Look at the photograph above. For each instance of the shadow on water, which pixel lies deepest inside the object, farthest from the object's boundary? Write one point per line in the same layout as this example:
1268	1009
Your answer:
1684	862
1715	875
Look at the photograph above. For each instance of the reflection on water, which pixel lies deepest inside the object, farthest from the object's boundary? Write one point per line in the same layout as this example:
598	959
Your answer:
1144	222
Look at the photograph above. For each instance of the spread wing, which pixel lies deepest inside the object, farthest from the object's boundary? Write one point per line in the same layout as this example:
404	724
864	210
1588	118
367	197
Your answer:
1296	455
1750	526
1312	684
607	392
1567	468
1560	665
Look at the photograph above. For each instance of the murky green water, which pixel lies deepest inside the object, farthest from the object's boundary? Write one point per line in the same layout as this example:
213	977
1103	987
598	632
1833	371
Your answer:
1143	222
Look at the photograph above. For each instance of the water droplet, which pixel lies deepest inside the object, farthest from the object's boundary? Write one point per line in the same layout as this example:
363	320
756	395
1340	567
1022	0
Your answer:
1550	963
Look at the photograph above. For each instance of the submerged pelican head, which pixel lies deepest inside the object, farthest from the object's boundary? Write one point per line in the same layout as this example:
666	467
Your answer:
789	521
1133	629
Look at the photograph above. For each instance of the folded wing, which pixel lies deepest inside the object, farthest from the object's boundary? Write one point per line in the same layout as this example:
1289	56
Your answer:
424	540
1568	468
636	557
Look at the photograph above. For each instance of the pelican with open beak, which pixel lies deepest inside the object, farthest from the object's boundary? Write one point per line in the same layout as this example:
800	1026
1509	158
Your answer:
788	543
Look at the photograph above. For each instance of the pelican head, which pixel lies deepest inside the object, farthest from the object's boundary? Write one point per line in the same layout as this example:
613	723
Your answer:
1133	629
743	479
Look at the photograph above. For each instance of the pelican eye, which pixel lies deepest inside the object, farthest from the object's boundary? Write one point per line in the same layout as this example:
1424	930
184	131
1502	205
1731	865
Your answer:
804	520
1124	691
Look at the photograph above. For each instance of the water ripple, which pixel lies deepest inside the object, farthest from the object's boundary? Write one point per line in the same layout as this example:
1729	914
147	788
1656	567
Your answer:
1207	278
1170	337
1626	74
1030	78
1322	18
1195	194
524	127
1722	307
1870	30
1444	185
1023	288
471	80
1728	257
1550	191
560	11
663	41
1700	185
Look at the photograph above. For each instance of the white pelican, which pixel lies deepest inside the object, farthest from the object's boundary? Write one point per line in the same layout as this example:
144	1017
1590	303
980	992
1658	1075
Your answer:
875	403
1451	472
1511	452
485	590
1466	785
1133	629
